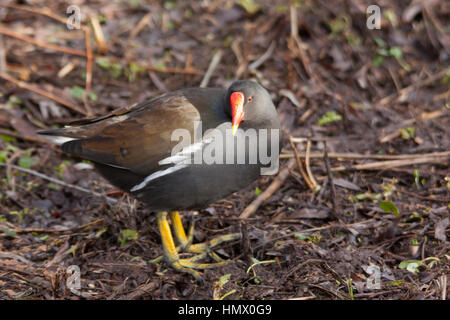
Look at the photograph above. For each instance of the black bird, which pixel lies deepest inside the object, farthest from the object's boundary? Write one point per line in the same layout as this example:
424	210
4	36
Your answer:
182	151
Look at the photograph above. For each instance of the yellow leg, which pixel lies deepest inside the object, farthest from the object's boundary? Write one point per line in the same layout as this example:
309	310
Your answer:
180	235
170	251
184	244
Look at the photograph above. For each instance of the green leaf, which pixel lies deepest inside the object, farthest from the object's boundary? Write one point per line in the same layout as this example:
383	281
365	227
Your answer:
13	101
446	79
396	52
127	235
3	156
250	6
26	161
6	138
114	68
227	294
257	191
54	186
407	133
44	237
389	207
72	249
9	232
93	96
380	42
77	92
103	62
301	236
377	61
411	265
397	283
330	116
224	279
169	5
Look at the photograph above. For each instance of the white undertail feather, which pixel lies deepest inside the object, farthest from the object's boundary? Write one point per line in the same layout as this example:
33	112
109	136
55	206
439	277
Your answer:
58	140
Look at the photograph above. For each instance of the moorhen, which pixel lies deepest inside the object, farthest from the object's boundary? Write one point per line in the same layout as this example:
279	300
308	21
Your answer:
137	149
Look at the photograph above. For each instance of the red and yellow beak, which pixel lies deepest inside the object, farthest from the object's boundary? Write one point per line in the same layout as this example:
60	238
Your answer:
237	110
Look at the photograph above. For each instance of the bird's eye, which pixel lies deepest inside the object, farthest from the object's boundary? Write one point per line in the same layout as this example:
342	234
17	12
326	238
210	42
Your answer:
250	99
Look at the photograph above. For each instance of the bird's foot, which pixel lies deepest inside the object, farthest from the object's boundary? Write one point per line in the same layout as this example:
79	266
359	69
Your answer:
202	250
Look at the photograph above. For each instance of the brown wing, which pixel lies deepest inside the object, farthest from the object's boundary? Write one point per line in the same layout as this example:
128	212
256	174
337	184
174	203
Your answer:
133	138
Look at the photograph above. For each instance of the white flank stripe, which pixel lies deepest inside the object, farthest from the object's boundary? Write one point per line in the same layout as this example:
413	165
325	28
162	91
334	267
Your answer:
186	153
180	160
156	175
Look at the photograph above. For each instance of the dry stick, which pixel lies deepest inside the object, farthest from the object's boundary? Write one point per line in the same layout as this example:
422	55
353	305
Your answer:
55	231
98	34
331	183
212	66
23	137
141	25
54	47
87	39
48	95
307	165
422	116
391	163
173	70
335	155
274	186
140	291
416	85
300	166
255	64
62	183
64	20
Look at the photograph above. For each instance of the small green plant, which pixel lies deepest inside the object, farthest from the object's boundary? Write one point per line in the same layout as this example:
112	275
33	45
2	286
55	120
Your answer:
330	116
384	51
133	71
413	266
218	286
114	68
127	235
407	133
389	207
256	262
78	93
251	6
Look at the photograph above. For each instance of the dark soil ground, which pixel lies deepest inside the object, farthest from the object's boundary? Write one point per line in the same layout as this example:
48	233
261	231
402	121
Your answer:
377	97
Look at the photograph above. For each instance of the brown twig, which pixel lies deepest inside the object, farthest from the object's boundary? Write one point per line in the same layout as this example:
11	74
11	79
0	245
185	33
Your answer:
41	92
173	70
300	165
356	156
141	25
266	194
98	34
212	66
384	101
331	183
381	165
87	42
87	35
56	181
56	231
307	165
53	47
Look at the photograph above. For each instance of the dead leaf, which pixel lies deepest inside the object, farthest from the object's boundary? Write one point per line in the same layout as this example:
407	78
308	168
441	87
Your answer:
309	213
439	231
346	184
